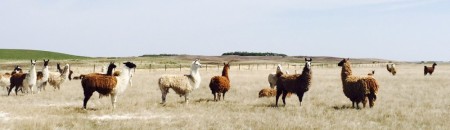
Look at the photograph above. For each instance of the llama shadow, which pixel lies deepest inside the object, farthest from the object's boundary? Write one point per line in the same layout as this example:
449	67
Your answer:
344	107
80	109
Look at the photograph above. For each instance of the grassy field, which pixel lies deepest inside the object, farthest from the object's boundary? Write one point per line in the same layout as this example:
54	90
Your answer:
408	100
19	54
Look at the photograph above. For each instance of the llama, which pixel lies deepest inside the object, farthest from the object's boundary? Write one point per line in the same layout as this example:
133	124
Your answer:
220	84
5	78
371	73
58	67
270	92
272	78
183	85
55	79
391	68
24	80
429	70
107	85
296	83
42	76
357	89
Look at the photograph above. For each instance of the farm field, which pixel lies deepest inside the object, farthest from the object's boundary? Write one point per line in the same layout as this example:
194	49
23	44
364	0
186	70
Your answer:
408	100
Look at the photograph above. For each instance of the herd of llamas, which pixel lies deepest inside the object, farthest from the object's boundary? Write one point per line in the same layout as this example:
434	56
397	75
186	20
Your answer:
359	89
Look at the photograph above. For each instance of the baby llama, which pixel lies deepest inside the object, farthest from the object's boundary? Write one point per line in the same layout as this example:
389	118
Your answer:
181	84
25	81
296	83
107	85
357	89
220	84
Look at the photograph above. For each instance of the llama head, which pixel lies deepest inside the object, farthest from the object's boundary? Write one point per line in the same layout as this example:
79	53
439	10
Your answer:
434	64
130	65
46	62
196	64
17	69
279	68
112	66
308	63
33	63
226	66
343	61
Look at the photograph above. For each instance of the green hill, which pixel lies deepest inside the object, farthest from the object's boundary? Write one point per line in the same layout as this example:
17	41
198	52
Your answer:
20	54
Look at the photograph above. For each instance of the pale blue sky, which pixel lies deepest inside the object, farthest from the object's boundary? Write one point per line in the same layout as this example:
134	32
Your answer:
410	30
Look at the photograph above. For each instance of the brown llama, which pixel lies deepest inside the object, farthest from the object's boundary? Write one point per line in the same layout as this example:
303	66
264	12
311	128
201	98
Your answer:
429	70
220	84
269	92
5	78
296	83
107	85
24	80
391	68
357	89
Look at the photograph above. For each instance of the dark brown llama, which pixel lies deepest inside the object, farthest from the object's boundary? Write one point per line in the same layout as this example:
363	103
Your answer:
429	70
296	83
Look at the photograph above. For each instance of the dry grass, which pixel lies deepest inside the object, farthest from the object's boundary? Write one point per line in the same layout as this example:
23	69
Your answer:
406	101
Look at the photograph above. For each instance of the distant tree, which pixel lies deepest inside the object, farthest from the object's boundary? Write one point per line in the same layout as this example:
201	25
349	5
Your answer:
244	53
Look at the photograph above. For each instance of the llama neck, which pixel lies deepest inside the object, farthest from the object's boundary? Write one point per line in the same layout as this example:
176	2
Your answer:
225	73
110	71
196	77
123	79
45	72
346	71
33	70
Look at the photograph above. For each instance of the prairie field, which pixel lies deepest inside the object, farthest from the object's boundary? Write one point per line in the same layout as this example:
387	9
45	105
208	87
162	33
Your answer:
408	100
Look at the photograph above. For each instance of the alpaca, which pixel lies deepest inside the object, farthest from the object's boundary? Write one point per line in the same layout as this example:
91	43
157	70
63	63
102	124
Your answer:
429	70
183	85
391	68
55	79
42	76
296	83
272	78
24	80
357	89
220	84
107	85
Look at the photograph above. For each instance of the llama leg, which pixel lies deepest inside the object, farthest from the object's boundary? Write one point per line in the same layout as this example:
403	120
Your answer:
219	95
278	96
87	95
300	97
284	97
214	96
113	100
10	88
372	98
163	96
353	104
223	96
364	102
186	98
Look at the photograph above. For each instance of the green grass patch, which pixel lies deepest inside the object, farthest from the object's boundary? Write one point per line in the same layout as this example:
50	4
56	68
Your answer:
20	54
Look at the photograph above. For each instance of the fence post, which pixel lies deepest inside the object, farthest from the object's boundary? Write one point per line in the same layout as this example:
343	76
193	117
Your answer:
218	66
266	66
150	68
288	66
206	67
239	66
180	67
94	68
165	67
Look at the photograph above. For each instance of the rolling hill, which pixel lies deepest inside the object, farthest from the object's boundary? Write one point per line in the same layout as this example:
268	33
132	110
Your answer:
21	54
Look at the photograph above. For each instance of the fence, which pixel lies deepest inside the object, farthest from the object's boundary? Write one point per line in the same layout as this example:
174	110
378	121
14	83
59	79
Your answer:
243	67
